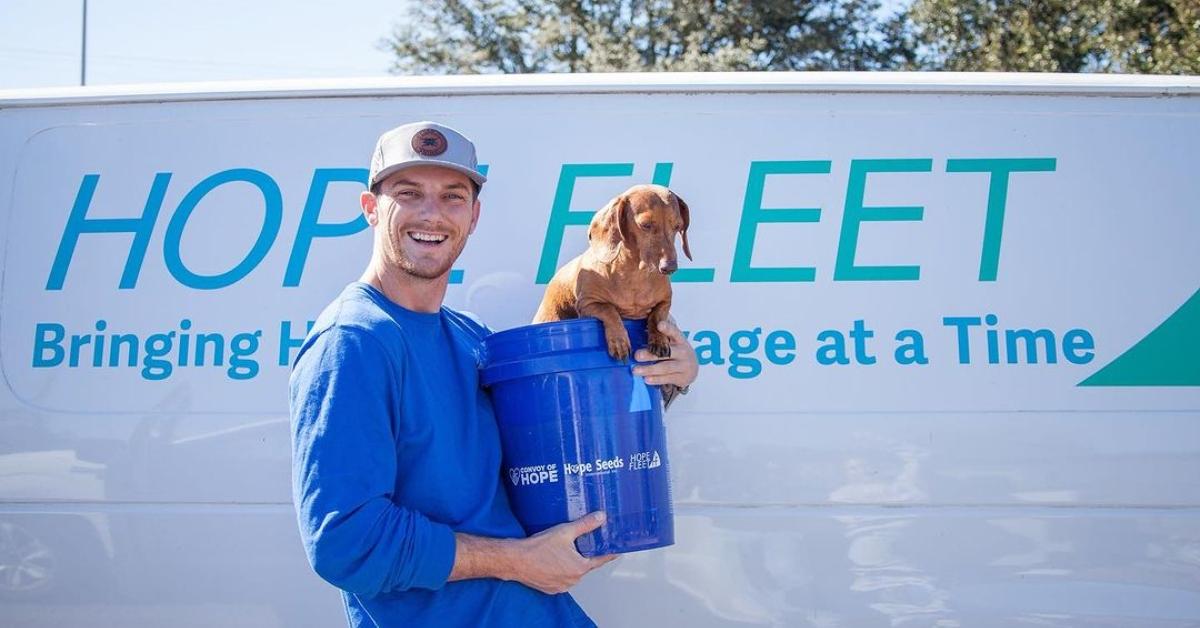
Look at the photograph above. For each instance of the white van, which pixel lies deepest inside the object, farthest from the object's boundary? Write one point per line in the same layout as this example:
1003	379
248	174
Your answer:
949	328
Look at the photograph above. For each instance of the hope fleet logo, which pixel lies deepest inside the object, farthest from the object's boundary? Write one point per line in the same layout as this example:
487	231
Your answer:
644	460
534	474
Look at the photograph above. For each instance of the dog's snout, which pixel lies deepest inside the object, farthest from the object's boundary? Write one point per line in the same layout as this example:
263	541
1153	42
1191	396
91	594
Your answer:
668	266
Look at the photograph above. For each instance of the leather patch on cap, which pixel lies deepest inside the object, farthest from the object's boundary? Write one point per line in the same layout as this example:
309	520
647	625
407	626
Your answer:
429	142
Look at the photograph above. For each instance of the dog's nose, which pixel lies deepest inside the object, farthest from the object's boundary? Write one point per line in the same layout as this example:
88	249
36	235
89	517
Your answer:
667	267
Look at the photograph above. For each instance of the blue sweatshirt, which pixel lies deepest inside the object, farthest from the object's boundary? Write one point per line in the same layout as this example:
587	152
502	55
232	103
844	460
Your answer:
394	449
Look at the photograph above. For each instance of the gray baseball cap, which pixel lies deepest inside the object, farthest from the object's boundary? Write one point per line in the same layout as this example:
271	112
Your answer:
423	144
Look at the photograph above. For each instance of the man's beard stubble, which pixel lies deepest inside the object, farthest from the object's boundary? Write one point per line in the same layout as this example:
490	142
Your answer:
411	268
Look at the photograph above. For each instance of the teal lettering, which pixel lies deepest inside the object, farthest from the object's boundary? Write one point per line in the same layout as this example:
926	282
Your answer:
217	342
273	216
708	347
859	333
98	354
777	343
78	223
993	339
153	366
1077	340
184	342
963	325
288	343
241	346
130	342
911	349
993	229
743	343
48	337
1030	338
856	213
77	343
834	351
311	228
753	213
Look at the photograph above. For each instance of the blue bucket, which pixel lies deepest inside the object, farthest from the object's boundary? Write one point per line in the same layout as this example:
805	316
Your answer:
580	433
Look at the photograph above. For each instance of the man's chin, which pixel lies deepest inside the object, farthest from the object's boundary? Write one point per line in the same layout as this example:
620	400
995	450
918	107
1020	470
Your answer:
429	266
428	273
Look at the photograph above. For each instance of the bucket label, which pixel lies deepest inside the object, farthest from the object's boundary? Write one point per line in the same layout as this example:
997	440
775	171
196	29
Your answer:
534	474
644	460
596	466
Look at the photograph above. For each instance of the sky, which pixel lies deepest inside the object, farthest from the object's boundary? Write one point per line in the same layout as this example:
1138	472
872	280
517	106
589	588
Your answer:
140	41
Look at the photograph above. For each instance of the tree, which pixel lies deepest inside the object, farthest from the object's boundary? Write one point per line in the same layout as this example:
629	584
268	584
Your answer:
484	36
1135	36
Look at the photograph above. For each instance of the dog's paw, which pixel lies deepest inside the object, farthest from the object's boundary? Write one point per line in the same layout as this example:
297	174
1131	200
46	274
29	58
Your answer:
659	347
618	345
658	343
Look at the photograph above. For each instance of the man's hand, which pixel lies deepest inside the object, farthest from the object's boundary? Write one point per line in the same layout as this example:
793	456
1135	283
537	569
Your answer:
680	368
549	561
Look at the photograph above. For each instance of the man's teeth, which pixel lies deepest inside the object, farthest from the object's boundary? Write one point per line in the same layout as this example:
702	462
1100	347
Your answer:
426	237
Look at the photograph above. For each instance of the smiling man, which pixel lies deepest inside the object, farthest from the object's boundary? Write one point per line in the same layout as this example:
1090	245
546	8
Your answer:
395	450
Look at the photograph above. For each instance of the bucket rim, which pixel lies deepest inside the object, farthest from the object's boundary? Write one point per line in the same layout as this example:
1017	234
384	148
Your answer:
554	328
586	329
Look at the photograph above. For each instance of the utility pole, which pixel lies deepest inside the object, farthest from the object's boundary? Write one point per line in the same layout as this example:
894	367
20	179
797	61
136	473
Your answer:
83	50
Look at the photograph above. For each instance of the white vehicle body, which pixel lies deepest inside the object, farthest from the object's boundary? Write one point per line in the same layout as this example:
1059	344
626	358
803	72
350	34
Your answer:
948	327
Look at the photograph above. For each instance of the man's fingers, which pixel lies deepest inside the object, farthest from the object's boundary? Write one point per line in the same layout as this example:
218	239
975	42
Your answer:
644	355
587	523
658	369
666	377
600	561
672	332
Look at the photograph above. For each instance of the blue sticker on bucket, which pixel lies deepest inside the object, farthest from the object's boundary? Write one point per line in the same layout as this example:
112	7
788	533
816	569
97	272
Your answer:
639	400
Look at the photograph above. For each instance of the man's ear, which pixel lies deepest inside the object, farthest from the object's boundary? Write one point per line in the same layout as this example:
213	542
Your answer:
685	215
370	207
474	216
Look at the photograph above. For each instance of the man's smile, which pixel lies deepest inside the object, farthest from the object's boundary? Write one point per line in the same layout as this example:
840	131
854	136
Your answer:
426	238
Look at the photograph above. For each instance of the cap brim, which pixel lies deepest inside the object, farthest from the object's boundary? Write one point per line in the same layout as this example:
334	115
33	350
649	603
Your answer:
390	170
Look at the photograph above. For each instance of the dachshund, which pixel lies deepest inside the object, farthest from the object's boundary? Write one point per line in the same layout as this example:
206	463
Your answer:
625	271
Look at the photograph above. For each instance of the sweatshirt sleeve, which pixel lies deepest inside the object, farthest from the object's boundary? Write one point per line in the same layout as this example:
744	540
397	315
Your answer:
343	390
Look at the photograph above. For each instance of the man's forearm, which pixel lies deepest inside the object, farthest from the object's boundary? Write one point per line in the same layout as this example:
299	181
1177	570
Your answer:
482	557
547	561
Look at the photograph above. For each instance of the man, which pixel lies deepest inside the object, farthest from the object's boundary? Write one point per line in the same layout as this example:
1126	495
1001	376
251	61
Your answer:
396	453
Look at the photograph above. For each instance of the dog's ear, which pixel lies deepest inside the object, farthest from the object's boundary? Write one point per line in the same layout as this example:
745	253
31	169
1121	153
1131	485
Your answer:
608	226
685	215
613	223
623	216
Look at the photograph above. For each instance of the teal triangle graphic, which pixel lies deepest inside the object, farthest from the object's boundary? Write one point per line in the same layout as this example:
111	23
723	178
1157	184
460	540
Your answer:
1167	356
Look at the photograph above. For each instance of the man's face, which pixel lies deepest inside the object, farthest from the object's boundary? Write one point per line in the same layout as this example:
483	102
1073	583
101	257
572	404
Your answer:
422	217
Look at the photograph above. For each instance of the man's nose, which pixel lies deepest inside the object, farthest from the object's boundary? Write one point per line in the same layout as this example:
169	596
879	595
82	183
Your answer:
428	207
667	266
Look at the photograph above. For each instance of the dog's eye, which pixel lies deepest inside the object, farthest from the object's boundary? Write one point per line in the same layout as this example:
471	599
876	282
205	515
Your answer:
646	226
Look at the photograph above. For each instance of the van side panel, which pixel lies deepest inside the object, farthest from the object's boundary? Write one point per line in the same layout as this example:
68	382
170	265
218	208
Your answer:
950	371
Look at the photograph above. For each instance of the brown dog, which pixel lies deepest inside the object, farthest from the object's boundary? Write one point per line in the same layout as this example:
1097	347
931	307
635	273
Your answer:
623	273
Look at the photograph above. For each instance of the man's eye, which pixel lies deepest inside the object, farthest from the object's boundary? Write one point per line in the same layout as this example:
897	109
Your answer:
406	193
